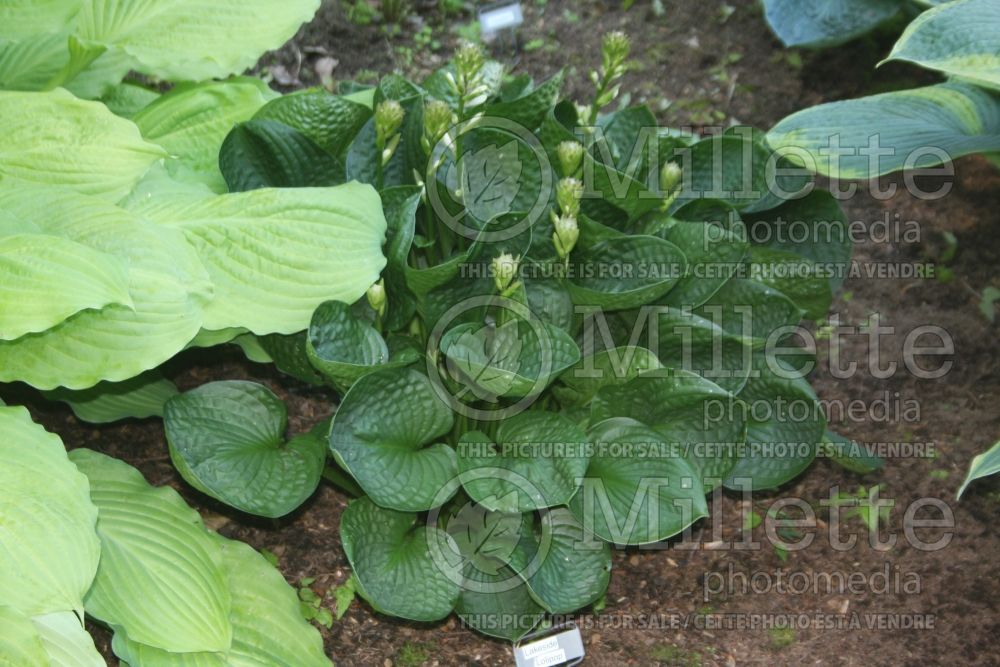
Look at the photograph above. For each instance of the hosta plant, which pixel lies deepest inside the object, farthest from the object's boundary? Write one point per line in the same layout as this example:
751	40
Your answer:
827	23
574	315
916	128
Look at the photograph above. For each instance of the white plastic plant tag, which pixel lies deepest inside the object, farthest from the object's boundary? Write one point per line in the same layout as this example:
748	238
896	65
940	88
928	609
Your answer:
563	648
500	16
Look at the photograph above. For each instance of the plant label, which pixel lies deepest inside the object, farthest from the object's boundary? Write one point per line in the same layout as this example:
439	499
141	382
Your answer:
563	648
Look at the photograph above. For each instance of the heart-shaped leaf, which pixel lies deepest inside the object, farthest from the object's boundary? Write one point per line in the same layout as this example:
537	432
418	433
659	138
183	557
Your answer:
343	347
580	382
750	309
405	569
330	121
266	153
227	439
536	462
633	498
379	435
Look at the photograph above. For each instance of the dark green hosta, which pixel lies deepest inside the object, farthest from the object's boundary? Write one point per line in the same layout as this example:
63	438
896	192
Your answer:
558	356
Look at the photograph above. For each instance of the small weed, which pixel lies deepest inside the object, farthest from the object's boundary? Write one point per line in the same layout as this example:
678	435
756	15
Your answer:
412	654
781	638
665	654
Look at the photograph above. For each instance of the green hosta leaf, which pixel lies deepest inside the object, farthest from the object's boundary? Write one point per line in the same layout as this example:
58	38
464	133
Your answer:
55	139
32	63
604	368
922	126
161	577
690	413
631	499
826	23
287	353
814	227
46	521
785	423
958	38
529	110
185	40
140	397
983	465
127	99
405	569
733	168
498	604
66	641
714	241
268	628
328	120
535	462
167	287
625	272
274	255
46	279
400	205
750	309
575	567
266	153
228	440
191	122
379	435
516	359
800	279
344	347
19	641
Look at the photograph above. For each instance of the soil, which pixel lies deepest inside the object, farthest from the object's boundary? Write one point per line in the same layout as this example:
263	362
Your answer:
688	74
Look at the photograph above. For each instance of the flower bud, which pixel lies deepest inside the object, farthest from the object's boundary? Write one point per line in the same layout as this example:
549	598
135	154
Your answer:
570	155
504	268
438	119
566	234
388	119
377	298
670	178
468	60
569	191
615	48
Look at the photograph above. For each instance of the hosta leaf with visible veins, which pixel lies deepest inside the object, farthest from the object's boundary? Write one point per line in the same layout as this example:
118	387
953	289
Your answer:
53	138
536	462
47	521
167	286
45	279
628	498
19	641
274	255
405	568
490	179
228	440
268	628
161	577
140	397
66	641
380	433
518	358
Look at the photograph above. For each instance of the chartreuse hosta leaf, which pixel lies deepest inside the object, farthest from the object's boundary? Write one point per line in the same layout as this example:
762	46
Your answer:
45	279
128	98
922	127
268	628
192	120
53	138
785	423
638	489
186	40
167	288
228	440
343	347
274	255
47	521
381	433
514	359
140	397
983	465
692	414
826	23
19	641
958	38
66	641
535	462
405	569
161	577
